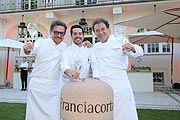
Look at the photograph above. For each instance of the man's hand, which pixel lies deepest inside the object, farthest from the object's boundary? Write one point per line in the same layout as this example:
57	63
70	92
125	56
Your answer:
28	47
72	74
87	44
128	47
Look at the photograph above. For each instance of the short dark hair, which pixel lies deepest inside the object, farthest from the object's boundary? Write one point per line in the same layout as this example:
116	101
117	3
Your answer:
100	20
57	23
76	26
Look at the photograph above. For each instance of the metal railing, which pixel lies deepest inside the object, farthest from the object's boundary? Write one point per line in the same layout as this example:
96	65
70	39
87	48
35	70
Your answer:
21	5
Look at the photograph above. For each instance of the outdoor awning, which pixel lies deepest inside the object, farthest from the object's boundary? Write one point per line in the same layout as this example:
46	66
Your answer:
167	22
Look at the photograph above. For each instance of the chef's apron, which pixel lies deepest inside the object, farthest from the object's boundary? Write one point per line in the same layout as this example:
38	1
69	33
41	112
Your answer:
124	103
43	100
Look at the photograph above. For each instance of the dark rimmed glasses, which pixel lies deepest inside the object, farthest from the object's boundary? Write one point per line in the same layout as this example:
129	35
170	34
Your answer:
58	33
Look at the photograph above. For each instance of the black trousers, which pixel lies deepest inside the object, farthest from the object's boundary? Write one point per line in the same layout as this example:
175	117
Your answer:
24	75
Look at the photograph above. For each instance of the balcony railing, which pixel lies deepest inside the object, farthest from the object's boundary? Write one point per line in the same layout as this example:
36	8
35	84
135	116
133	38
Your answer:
13	5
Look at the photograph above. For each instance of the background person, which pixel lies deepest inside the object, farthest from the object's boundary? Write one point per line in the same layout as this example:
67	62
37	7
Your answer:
113	64
24	73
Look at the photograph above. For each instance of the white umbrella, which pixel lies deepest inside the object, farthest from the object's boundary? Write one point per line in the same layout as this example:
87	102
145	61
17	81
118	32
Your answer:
167	22
150	37
11	43
153	37
7	44
147	37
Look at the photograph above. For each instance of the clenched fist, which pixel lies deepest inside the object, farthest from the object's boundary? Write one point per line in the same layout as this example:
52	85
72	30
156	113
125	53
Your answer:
28	47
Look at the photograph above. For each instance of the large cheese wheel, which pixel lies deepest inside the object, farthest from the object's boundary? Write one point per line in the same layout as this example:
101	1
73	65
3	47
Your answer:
90	99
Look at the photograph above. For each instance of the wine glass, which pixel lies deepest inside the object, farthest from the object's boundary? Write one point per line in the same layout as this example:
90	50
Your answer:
78	65
124	52
32	28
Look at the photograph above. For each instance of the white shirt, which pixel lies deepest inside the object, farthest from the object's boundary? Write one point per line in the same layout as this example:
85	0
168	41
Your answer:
47	60
24	65
110	54
84	56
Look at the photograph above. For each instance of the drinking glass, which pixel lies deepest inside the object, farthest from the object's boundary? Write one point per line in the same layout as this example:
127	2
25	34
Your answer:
124	52
32	28
78	65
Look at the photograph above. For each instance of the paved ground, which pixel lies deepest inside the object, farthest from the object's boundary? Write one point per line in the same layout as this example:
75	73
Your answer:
147	100
168	100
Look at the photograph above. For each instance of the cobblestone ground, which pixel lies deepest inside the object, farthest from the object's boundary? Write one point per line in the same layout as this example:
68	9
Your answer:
167	100
158	100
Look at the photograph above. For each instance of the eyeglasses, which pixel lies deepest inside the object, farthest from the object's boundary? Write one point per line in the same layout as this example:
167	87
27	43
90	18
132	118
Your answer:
57	33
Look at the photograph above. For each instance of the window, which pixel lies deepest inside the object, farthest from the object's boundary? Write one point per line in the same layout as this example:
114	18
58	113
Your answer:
142	45
25	4
158	77
153	48
33	4
29	4
49	3
85	2
88	31
79	2
166	47
157	48
90	39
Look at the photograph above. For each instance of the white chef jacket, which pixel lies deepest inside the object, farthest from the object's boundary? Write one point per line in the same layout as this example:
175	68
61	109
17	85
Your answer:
47	59
43	100
112	65
85	55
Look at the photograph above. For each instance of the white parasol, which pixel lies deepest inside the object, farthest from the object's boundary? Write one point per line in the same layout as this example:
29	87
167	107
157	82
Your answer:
154	37
167	22
7	44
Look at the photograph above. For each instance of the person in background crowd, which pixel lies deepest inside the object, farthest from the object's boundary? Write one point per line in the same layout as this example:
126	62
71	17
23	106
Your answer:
24	73
112	56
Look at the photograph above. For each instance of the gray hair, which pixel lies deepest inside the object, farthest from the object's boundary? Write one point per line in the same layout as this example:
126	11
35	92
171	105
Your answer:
100	20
